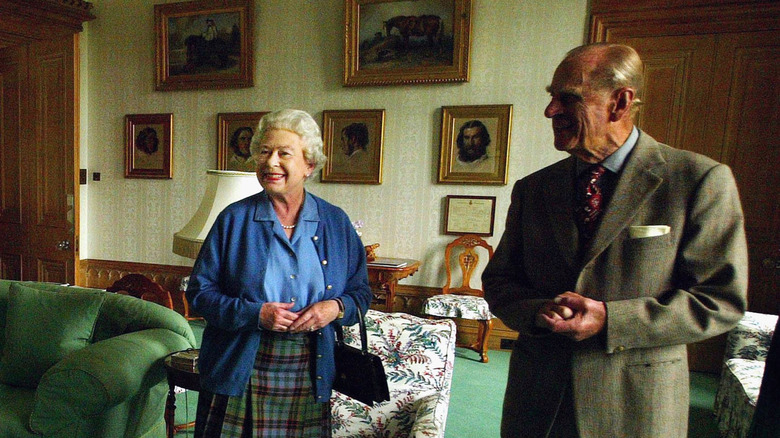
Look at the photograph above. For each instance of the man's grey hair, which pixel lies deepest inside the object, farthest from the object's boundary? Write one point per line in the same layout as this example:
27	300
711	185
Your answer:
619	66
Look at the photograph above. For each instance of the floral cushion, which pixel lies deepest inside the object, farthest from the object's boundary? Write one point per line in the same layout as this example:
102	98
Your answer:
418	356
457	306
747	346
737	394
750	339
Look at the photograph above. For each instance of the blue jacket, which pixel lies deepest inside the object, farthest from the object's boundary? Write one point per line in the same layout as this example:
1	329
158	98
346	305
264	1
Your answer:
226	289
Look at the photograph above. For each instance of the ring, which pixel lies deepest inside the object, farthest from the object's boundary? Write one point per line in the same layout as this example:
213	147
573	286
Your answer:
311	329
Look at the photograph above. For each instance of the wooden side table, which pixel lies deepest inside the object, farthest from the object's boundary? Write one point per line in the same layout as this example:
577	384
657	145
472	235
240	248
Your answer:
183	377
383	277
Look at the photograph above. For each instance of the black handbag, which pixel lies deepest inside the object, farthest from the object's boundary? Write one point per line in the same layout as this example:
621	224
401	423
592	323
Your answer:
359	374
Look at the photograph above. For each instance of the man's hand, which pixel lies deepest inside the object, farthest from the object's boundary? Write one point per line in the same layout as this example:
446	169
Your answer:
315	317
588	317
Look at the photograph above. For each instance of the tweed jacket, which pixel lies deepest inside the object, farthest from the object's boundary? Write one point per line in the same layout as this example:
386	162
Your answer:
661	292
226	288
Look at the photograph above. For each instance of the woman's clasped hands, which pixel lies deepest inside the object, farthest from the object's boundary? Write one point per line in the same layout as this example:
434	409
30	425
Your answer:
278	316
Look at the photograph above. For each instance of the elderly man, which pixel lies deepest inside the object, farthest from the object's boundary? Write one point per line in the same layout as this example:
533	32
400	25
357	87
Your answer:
612	260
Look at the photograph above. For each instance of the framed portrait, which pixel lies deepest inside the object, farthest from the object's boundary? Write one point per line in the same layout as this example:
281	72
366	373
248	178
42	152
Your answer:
475	144
469	215
148	146
391	42
203	44
234	135
353	144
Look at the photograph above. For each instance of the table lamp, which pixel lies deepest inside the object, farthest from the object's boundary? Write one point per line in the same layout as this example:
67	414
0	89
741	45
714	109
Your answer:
223	187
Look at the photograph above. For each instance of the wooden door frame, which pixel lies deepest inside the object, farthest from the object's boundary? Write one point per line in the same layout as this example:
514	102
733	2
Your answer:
610	18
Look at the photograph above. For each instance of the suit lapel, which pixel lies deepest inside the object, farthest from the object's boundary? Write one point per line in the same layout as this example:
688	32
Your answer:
558	197
638	180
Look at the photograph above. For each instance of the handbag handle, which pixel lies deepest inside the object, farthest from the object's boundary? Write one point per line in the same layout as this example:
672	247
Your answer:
363	335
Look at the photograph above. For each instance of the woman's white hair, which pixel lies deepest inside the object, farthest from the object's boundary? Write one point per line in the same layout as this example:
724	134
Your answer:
299	122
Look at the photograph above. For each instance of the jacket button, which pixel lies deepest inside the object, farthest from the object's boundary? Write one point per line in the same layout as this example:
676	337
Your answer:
319	356
324	262
316	238
330	286
319	377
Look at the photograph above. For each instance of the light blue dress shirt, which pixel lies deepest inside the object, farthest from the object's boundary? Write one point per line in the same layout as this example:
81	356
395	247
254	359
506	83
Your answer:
293	273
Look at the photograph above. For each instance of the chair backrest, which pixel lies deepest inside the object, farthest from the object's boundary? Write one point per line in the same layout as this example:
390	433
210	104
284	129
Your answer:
468	260
141	287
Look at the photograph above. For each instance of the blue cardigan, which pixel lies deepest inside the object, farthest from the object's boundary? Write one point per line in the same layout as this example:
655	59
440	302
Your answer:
226	289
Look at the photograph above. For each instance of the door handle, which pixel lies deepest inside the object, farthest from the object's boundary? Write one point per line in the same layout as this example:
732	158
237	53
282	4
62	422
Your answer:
63	245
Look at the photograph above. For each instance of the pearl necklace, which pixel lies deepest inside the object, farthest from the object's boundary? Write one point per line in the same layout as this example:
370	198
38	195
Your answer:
289	227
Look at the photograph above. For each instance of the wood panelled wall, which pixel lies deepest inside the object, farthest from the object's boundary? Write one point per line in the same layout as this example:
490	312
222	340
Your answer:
409	299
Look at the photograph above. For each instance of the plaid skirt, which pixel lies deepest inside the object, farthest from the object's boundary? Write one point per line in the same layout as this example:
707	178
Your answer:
279	399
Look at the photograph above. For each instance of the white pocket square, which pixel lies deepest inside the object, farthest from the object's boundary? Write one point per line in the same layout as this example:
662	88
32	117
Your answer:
642	231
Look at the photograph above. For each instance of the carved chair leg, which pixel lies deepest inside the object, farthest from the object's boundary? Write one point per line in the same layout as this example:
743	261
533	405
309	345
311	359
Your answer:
485	327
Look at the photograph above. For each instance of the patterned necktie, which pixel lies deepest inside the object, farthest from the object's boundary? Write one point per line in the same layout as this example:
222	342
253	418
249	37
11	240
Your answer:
591	202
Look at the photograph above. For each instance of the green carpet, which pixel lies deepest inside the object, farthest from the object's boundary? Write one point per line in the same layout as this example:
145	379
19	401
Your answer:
478	392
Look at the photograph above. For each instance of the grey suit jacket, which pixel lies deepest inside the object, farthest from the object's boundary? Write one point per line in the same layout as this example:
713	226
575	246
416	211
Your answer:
660	292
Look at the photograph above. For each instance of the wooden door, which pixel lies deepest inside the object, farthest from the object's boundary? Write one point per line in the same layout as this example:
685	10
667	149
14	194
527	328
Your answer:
711	87
745	122
717	95
13	80
38	217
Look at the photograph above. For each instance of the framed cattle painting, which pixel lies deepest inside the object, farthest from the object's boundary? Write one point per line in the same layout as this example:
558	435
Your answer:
391	42
203	44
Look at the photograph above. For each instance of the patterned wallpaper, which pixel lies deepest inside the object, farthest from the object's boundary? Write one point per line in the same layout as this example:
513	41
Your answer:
298	53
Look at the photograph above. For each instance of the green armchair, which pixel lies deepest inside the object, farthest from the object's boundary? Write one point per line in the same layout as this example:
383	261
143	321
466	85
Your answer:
78	362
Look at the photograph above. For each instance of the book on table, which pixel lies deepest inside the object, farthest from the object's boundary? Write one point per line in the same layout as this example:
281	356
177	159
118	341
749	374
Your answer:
388	262
187	359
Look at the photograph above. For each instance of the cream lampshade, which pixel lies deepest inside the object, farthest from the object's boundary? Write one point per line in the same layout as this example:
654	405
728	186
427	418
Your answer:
223	187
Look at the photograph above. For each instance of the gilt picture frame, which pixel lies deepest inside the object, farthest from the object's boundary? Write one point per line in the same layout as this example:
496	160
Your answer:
149	146
234	135
353	141
204	44
475	144
406	42
469	215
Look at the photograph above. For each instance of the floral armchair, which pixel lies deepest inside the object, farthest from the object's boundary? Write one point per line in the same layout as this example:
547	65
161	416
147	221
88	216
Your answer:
418	356
746	352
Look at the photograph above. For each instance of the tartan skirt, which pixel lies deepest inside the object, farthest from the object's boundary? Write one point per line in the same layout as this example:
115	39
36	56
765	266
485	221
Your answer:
279	399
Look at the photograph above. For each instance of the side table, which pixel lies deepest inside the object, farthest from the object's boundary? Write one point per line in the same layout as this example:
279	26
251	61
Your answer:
183	377
383	276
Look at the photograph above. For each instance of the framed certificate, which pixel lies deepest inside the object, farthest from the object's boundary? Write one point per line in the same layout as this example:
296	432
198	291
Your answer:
469	215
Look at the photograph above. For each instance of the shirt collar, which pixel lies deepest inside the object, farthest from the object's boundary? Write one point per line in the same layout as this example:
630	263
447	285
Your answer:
614	163
309	212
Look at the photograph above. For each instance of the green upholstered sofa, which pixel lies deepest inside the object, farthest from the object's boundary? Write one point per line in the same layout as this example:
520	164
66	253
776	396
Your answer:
78	362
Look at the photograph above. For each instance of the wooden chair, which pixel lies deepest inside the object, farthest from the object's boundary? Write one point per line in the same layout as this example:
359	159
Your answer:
141	287
464	301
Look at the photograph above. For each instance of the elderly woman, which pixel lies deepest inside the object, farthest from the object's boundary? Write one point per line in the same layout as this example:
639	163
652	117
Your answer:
277	271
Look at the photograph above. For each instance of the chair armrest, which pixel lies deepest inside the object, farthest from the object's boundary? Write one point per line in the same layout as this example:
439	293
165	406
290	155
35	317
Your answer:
104	374
430	416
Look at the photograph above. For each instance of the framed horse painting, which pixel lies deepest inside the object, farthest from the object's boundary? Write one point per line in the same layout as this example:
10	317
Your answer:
203	44
390	42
